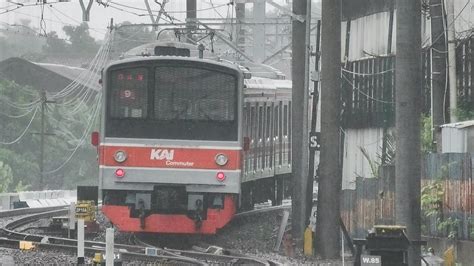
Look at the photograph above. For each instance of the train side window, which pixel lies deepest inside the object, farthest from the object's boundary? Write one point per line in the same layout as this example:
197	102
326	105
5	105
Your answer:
289	119
280	122
252	122
245	121
260	122
269	117
275	122
285	120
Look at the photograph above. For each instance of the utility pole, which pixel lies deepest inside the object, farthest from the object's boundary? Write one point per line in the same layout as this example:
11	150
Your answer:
453	92
299	121
240	32
407	121
330	176
438	67
314	135
259	31
44	102
191	15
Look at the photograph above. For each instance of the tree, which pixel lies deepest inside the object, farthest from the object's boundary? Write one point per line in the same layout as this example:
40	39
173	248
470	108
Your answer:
23	156
129	36
55	46
82	44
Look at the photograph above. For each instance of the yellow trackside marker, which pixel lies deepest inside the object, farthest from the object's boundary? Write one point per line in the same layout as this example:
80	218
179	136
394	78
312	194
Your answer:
448	256
26	245
308	242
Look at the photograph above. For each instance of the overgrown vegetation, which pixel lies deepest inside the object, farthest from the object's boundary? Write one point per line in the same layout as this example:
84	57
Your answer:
19	161
382	158
432	196
465	111
426	134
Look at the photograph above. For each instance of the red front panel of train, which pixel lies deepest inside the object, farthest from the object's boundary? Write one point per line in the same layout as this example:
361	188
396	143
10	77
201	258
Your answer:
177	223
168	157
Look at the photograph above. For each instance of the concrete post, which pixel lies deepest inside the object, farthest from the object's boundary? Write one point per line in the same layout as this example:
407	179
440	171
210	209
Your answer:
80	242
109	247
259	31
407	123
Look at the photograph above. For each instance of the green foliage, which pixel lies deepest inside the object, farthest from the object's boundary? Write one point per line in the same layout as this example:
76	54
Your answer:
81	41
450	226
128	36
6	177
80	44
426	134
23	157
465	111
389	157
432	199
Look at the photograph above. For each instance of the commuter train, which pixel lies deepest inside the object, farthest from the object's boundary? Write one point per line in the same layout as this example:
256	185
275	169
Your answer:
186	141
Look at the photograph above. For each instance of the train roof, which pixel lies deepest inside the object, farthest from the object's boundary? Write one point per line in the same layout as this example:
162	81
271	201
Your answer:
149	50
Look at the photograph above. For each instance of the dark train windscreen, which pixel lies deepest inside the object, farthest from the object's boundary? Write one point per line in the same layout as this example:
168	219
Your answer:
172	102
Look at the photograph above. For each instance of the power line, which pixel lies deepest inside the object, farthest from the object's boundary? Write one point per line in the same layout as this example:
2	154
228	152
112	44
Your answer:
368	74
171	12
363	93
24	131
454	20
81	141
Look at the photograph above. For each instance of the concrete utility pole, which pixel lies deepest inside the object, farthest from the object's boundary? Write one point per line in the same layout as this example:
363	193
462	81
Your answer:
299	121
438	66
259	31
407	119
191	15
314	145
240	32
453	92
330	179
44	102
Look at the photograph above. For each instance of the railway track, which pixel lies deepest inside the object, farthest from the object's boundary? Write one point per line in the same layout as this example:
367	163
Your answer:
11	237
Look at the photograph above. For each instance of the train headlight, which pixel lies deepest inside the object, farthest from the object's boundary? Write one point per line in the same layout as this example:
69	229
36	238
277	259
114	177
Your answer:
120	156
221	159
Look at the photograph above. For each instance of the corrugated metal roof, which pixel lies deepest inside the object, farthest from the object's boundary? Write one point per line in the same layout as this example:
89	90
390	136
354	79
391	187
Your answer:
51	77
462	124
73	73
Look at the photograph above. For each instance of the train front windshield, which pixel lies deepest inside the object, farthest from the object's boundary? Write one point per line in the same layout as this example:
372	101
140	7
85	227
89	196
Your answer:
172	102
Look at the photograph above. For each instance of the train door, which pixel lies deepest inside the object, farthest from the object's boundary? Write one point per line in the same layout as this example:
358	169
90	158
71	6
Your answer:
260	140
246	134
289	132
285	139
275	136
253	137
268	139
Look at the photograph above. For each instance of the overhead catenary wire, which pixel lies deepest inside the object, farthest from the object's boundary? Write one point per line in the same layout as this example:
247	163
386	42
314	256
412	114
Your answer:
171	12
96	64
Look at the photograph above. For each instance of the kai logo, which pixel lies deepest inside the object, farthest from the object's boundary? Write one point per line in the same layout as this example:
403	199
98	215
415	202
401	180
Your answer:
162	154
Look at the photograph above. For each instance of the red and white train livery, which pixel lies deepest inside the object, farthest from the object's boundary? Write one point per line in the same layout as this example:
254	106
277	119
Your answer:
186	141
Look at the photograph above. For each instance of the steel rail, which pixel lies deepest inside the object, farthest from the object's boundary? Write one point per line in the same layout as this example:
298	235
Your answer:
128	252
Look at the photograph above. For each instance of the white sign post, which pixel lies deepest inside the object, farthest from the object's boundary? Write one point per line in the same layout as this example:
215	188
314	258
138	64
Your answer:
109	247
80	242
